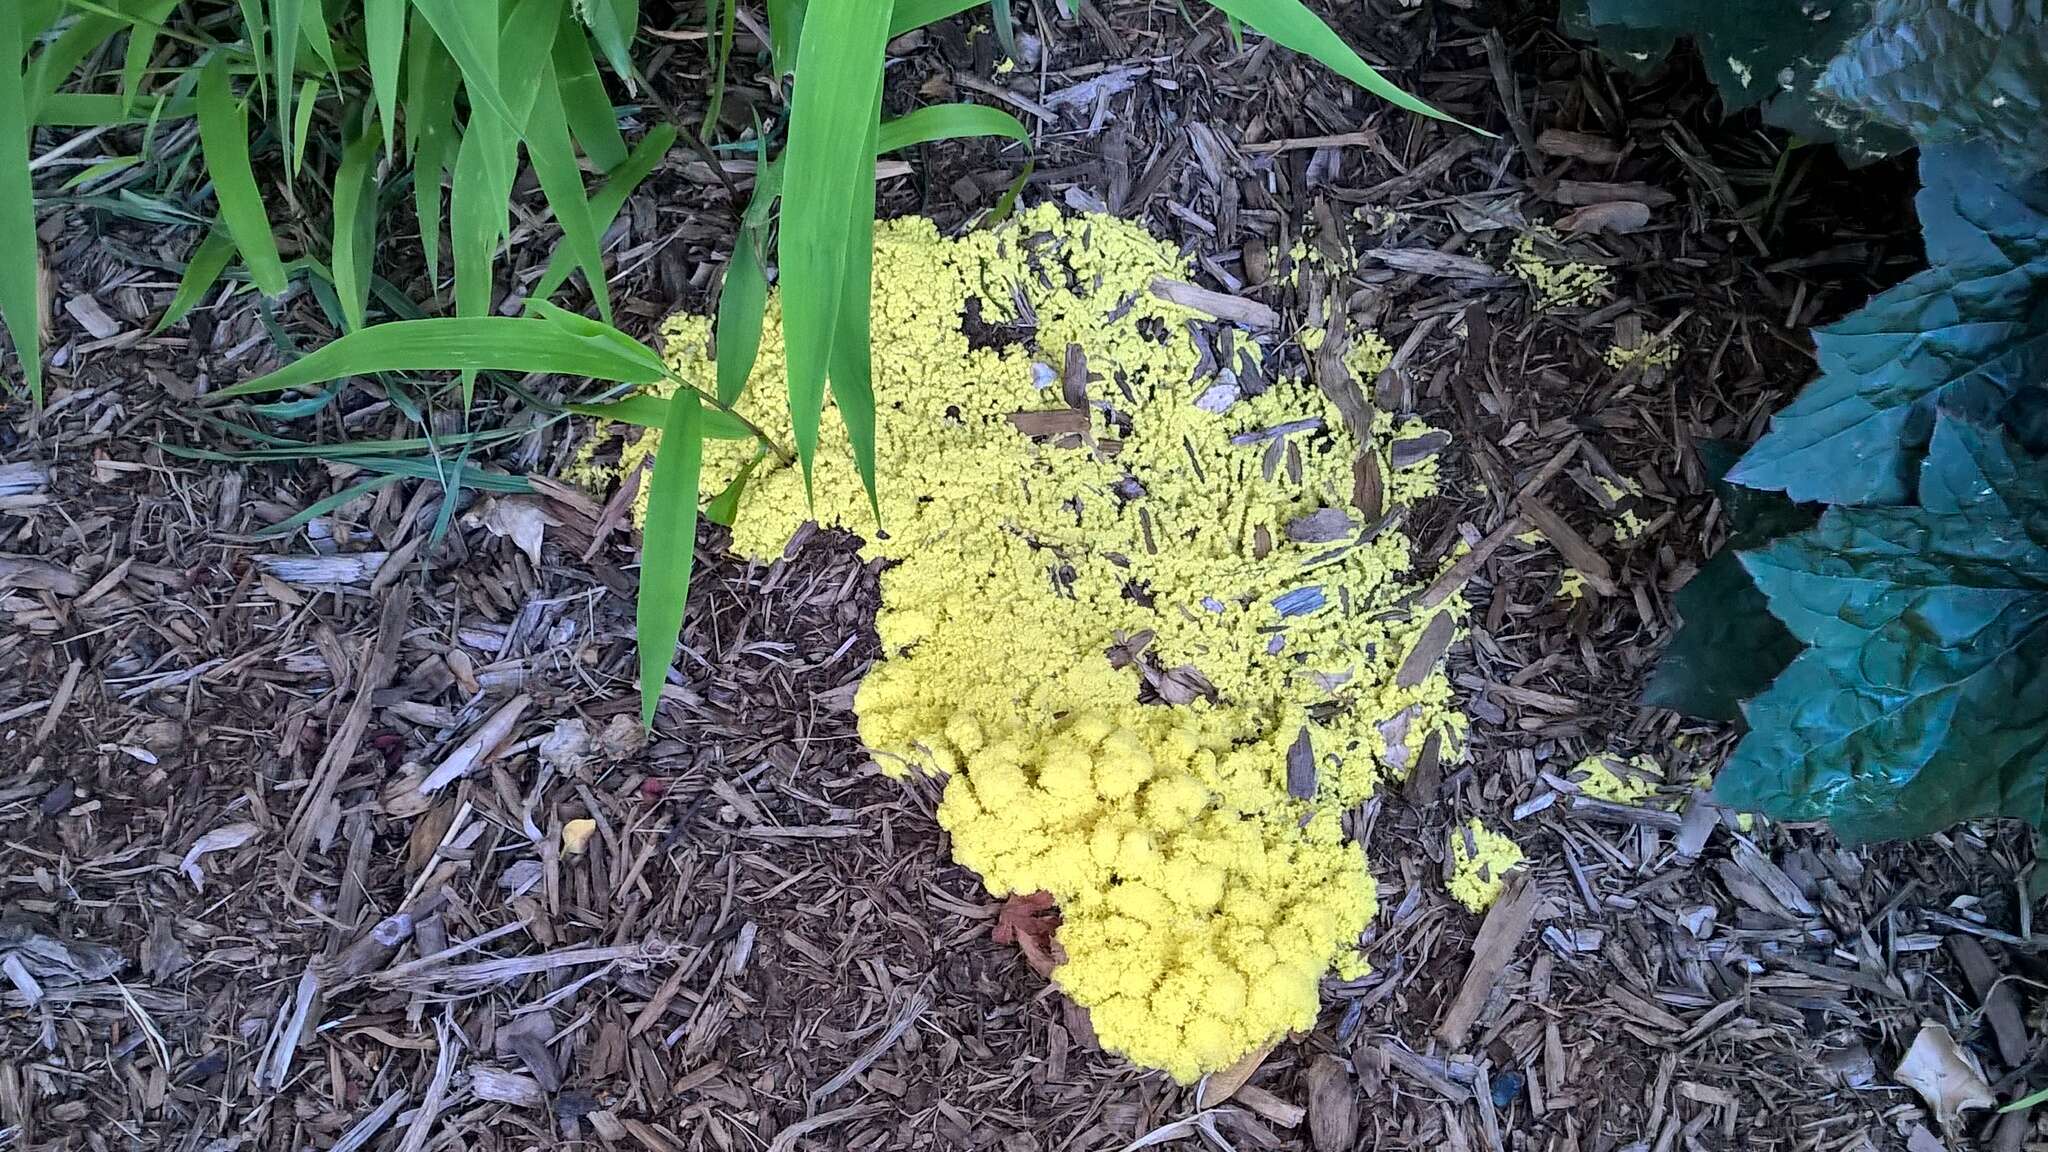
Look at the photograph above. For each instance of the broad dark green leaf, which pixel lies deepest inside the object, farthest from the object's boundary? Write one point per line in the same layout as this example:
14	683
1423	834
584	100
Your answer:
20	292
1951	73
1919	700
829	170
1971	330
455	344
668	548
224	137
202	272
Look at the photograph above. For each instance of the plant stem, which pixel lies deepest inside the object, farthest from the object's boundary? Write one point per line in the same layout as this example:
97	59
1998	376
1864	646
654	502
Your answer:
782	455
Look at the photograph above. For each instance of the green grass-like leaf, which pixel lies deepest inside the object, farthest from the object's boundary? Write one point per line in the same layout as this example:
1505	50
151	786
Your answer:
948	122
912	14
20	294
384	37
591	117
610	200
468	344
829	171
742	304
355	224
224	137
1291	25
646	410
202	272
668	546
553	155
852	363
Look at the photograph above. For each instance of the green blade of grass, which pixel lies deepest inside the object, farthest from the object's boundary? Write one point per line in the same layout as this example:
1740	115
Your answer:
308	93
1292	26
430	130
610	200
224	137
313	26
253	26
285	18
613	24
721	51
54	65
202	272
668	546
852	361
785	33
948	122
1006	33
476	219
142	37
725	507
457	344
20	292
553	155
469	31
742	304
528	40
384	38
830	169
591	116
101	109
355	223
910	14
646	410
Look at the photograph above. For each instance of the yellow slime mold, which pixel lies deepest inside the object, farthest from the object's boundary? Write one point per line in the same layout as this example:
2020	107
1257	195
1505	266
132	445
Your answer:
1202	903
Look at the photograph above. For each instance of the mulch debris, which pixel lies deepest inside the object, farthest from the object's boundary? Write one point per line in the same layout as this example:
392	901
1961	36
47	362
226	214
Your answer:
353	841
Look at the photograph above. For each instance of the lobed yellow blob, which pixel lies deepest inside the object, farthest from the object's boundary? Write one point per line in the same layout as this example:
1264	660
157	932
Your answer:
1480	862
1605	776
1556	283
1201	903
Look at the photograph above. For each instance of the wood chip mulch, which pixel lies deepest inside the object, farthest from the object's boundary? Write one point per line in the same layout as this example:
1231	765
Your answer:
350	842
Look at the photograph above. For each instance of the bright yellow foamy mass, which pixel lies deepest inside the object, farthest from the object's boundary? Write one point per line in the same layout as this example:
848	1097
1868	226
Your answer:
1202	903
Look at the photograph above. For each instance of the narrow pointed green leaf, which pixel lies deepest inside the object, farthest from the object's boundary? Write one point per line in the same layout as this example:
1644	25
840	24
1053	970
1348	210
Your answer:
725	507
469	31
313	25
646	410
142	37
528	43
668	548
53	66
742	303
553	154
1006	33
285	17
476	220
852	367
308	93
355	222
254	26
224	137
1291	25
785	32
430	128
912	14
830	170
613	23
202	272
948	122
610	200
728	11
591	116
384	37
20	292
455	344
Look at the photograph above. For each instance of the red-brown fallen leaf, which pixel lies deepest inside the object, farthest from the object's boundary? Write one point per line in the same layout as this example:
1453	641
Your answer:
1029	921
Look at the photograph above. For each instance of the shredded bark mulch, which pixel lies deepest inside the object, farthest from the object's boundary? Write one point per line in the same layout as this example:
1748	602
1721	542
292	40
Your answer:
349	840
